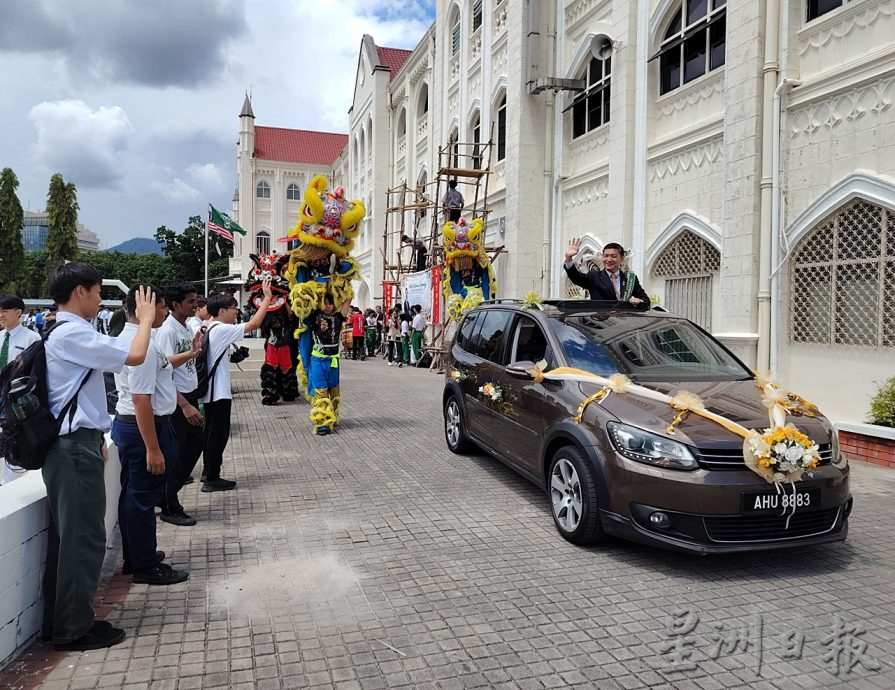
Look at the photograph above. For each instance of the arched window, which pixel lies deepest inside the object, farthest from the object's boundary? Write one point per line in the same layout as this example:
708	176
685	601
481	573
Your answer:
502	128
402	124
262	242
476	129
422	103
590	109
688	266
262	191
454	148
293	193
420	195
818	8
455	33
843	279
694	43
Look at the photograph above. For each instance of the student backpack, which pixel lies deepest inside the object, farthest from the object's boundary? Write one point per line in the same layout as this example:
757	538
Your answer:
27	427
204	375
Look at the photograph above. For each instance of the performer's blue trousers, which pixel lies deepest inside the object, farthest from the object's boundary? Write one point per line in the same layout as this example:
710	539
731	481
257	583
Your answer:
323	374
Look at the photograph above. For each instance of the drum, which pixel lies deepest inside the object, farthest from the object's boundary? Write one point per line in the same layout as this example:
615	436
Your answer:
346	339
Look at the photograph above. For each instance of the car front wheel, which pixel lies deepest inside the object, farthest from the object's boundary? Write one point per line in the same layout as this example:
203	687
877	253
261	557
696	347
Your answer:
572	495
454	434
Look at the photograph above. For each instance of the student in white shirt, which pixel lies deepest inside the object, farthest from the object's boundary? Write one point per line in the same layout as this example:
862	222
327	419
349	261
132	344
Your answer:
223	331
147	447
14	339
419	331
196	321
73	471
181	346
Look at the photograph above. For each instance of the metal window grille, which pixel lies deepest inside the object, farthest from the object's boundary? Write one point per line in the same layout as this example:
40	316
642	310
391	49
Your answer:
688	265
843	276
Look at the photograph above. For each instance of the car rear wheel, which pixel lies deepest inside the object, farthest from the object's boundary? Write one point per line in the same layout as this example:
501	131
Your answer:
572	495
457	440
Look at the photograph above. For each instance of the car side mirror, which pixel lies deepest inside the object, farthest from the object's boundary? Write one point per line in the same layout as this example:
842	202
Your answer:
521	369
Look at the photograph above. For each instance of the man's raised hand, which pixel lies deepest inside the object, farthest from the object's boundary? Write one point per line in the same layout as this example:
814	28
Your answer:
573	249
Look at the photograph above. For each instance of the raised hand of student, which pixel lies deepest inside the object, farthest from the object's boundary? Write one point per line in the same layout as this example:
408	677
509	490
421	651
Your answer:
265	289
573	249
155	461
145	311
196	345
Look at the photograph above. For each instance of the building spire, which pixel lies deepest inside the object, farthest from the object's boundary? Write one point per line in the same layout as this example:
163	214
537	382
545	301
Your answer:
247	108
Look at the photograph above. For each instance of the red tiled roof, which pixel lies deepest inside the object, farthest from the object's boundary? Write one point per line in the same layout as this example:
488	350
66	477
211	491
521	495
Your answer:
393	58
298	145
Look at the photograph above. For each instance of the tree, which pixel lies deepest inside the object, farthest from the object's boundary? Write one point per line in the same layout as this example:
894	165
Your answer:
62	235
187	251
33	281
12	221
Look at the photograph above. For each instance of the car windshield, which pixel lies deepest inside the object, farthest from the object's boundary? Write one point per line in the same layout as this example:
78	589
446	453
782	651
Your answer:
646	349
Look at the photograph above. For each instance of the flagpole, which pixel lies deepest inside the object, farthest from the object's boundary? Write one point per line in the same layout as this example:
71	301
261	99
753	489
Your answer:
207	218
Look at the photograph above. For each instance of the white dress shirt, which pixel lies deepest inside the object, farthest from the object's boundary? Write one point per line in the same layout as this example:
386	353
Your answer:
174	338
72	350
220	337
19	339
155	377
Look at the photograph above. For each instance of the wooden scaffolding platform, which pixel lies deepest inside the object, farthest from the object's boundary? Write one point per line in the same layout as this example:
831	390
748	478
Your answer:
417	213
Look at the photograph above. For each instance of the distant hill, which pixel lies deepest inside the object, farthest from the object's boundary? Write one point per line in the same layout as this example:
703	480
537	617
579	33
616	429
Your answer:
137	245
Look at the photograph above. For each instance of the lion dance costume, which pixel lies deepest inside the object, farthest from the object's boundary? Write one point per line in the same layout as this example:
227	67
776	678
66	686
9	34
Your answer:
320	265
468	275
278	378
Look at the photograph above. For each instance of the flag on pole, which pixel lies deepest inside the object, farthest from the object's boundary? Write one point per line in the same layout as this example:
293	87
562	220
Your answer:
221	224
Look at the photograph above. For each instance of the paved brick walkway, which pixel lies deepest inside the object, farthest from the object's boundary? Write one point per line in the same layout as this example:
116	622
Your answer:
374	558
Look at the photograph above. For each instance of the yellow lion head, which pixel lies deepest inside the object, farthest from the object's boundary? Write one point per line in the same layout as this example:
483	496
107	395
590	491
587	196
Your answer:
464	239
327	219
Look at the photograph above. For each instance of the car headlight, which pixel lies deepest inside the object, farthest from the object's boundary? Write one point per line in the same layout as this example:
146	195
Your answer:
642	446
838	459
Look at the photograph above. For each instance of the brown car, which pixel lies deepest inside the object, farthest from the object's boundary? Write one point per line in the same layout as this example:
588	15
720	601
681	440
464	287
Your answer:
618	471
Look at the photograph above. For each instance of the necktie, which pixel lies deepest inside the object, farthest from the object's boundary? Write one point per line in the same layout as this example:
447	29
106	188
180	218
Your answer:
615	285
4	352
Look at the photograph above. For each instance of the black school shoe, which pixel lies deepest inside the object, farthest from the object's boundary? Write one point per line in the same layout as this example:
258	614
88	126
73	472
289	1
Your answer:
218	485
162	574
127	570
181	519
48	635
100	636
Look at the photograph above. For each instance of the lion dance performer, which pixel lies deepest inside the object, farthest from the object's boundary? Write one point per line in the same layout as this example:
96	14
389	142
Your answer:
320	273
468	274
278	378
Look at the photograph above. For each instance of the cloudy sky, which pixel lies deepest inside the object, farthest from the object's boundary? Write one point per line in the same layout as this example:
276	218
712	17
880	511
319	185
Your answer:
137	102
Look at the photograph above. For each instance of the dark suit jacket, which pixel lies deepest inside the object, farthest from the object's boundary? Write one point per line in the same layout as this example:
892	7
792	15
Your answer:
598	284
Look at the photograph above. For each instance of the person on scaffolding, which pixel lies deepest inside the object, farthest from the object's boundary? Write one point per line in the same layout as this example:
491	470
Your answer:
452	203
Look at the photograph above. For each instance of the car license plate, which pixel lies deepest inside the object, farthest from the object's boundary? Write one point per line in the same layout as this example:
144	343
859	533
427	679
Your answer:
771	502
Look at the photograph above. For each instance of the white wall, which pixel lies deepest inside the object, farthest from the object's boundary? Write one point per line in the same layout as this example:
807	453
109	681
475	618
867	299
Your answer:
24	521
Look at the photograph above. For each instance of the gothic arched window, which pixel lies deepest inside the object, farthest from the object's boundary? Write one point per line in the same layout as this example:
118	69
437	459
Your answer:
262	191
843	279
262	242
293	193
688	265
